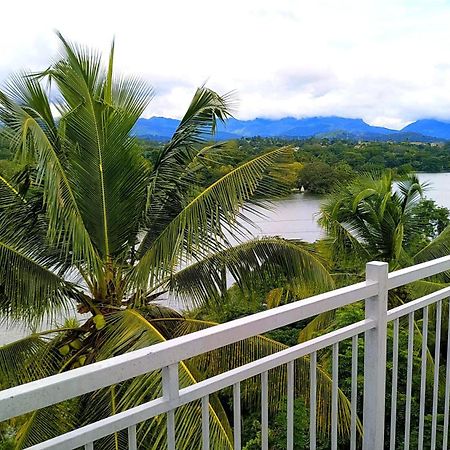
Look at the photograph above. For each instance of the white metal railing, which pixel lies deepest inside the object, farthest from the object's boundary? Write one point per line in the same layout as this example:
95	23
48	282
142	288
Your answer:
167	356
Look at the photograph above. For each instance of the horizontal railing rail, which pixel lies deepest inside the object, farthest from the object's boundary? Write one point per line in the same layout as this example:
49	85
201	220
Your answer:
35	395
167	356
201	389
418	272
417	304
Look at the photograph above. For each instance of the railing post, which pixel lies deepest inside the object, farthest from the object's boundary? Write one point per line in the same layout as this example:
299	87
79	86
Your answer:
375	359
171	390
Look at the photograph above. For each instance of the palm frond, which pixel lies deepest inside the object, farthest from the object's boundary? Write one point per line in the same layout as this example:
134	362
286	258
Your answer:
317	326
66	227
29	289
107	168
46	423
245	263
249	350
206	220
342	238
129	330
171	180
167	196
438	247
9	195
27	359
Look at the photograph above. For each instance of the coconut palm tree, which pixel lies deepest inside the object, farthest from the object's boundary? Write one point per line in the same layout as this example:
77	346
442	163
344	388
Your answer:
90	223
374	217
369	219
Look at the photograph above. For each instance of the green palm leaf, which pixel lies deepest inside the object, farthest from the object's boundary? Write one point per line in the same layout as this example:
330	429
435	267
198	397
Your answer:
171	180
9	195
18	361
127	331
65	223
29	288
438	247
295	261
45	424
107	168
205	220
252	349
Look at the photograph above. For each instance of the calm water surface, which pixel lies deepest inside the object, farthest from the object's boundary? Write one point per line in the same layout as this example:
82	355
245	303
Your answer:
296	218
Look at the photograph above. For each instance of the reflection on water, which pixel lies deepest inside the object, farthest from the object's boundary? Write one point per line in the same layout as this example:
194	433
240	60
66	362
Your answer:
438	187
296	218
293	218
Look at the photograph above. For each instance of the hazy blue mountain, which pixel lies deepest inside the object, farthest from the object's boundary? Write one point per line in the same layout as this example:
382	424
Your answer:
259	127
430	127
156	126
317	125
161	128
288	126
307	127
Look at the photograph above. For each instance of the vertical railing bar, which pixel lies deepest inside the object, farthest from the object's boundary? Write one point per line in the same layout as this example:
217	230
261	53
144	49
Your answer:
437	353
312	400
394	385
447	384
205	422
375	358
170	391
265	410
132	443
290	405
334	397
171	430
354	392
423	377
409	379
237	415
89	446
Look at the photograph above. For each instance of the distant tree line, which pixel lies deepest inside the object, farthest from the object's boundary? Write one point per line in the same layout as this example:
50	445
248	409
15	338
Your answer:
317	165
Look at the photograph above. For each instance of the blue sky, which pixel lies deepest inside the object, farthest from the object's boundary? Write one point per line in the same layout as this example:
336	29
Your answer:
387	61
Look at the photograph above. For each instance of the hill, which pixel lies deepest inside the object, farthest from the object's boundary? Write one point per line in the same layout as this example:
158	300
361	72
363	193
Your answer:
161	128
430	127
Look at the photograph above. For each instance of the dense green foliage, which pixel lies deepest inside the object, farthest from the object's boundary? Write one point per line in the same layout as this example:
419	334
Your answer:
327	162
65	185
369	156
394	224
89	223
320	177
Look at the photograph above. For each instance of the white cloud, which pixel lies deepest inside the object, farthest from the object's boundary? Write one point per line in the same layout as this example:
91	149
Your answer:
387	61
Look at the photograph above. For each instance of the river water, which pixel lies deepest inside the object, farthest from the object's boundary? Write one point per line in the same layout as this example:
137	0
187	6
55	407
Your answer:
296	218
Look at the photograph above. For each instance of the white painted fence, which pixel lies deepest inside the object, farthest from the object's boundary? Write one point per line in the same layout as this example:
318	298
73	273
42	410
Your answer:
166	356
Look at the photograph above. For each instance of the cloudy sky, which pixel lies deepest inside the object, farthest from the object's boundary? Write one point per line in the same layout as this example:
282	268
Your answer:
387	61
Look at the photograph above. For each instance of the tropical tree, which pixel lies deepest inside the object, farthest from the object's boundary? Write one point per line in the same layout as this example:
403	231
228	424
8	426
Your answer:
90	223
370	218
379	216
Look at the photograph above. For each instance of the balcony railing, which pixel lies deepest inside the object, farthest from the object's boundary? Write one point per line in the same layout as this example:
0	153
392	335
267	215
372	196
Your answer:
167	356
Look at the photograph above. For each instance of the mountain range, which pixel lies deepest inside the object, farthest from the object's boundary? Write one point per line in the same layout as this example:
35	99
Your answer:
424	130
